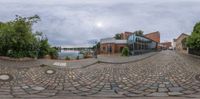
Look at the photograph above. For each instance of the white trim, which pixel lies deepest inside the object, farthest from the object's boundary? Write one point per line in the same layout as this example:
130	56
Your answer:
112	40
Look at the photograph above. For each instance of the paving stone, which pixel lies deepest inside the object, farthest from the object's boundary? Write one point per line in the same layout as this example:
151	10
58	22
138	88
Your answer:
188	92
175	93
176	89
165	74
157	94
162	89
38	88
161	85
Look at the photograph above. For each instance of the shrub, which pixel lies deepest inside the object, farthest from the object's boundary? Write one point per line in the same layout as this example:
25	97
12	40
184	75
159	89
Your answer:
18	40
67	58
125	51
53	53
77	58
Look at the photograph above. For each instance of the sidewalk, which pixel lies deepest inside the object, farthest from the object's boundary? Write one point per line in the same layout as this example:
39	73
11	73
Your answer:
112	59
70	64
118	59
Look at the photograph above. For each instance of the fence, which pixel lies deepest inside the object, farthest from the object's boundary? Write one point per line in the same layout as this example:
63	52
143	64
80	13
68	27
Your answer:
194	51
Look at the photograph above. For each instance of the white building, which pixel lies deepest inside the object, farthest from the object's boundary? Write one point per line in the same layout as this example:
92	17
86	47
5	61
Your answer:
174	44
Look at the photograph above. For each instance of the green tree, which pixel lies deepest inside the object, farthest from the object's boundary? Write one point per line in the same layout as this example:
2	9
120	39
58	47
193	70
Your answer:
125	51
117	36
44	48
53	53
96	46
193	41
139	32
67	58
17	39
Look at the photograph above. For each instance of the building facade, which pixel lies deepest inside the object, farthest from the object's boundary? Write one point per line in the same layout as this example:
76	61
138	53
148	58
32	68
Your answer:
155	36
125	35
181	43
174	44
140	44
166	45
137	44
112	46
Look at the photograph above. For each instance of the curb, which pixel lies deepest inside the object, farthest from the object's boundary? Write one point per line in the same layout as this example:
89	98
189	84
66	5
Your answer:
16	59
195	56
116	62
190	55
128	61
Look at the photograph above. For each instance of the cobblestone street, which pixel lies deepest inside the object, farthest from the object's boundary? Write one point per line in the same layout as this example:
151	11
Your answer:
163	74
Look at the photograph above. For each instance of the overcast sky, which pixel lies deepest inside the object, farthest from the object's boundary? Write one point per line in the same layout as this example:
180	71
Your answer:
74	22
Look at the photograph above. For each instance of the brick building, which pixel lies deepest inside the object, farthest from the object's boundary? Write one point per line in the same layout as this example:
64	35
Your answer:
112	46
166	45
125	35
155	36
139	44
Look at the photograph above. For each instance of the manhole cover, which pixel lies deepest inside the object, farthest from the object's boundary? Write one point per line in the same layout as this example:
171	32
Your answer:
197	77
50	71
5	77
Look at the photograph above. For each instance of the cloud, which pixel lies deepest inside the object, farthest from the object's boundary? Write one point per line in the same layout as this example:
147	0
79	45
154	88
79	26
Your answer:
70	22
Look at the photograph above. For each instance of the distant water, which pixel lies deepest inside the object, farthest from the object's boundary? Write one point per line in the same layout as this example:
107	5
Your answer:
70	54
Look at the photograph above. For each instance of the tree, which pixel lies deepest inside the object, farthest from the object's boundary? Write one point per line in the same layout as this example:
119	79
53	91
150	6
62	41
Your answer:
117	36
125	51
53	53
193	41
44	48
139	32
17	39
96	46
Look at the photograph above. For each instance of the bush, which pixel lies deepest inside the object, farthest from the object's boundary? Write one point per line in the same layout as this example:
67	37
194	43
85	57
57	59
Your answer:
77	58
125	51
44	48
18	40
53	53
67	58
193	41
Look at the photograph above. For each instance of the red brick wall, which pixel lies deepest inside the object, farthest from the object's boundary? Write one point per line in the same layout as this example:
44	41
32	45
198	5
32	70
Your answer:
125	35
115	48
154	36
119	47
167	44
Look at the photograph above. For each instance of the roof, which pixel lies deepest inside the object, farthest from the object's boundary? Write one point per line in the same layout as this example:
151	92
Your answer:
155	36
112	40
182	35
153	33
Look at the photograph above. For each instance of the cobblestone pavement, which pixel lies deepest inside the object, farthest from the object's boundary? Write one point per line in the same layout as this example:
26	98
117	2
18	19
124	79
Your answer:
164	74
117	58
